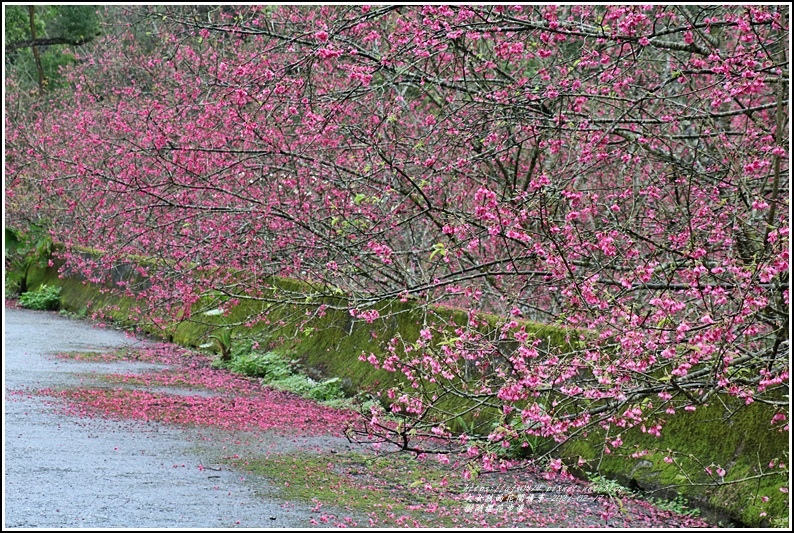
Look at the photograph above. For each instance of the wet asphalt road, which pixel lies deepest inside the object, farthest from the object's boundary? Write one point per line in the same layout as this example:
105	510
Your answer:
63	471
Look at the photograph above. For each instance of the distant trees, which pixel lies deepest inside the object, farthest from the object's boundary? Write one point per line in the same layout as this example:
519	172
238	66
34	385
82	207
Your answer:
38	40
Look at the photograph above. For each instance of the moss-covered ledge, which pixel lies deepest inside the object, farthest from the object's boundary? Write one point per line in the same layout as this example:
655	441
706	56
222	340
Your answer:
688	456
738	439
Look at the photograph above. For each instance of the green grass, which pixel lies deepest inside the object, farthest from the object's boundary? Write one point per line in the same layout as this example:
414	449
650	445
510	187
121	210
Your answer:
104	357
377	486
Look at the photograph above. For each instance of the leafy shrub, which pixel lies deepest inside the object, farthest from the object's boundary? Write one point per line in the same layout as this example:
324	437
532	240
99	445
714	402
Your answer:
324	391
678	505
327	390
45	298
298	384
609	487
268	365
279	373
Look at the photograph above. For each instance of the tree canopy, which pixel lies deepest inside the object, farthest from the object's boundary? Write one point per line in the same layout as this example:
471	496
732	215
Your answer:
617	173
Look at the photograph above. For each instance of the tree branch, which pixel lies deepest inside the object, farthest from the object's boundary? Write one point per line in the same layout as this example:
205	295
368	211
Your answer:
48	41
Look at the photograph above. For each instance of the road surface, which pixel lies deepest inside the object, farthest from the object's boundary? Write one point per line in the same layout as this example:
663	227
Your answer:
64	471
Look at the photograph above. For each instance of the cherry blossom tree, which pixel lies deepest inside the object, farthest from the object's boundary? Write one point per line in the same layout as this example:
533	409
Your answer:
611	181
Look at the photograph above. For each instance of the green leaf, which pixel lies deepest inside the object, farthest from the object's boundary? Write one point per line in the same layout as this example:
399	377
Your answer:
449	342
438	248
12	241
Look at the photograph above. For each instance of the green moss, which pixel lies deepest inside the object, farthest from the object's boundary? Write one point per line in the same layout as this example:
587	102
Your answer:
329	345
729	435
94	356
373	485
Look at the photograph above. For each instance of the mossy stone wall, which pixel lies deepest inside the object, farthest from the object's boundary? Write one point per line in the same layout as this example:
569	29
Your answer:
741	441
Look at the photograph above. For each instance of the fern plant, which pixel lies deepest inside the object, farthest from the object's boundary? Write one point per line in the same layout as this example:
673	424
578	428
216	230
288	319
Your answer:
223	342
45	298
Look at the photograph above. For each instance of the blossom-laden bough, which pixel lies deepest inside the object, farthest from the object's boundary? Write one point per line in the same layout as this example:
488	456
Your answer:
617	172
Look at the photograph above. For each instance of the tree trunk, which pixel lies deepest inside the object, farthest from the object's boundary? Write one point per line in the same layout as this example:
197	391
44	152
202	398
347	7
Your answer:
36	56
